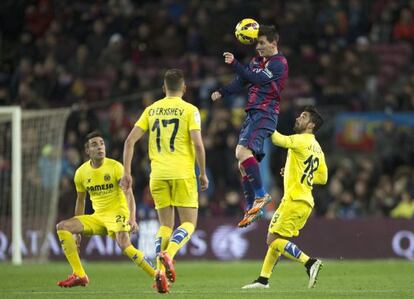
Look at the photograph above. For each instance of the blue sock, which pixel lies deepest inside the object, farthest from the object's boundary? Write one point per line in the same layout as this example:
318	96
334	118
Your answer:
293	250
248	192
158	245
251	167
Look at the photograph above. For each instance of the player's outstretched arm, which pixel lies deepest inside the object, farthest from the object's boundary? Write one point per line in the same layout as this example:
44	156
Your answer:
235	86
287	141
281	140
201	157
135	134
272	72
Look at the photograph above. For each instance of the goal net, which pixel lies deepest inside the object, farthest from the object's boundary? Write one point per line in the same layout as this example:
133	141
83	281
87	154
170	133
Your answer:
31	145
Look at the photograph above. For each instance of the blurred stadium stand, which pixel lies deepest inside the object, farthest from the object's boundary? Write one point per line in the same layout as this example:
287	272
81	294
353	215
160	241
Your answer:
107	59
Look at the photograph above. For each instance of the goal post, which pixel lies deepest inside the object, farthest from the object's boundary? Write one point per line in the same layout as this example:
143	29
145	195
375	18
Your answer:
16	180
31	150
14	114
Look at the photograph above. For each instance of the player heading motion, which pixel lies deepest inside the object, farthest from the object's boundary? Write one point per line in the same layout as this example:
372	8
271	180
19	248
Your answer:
114	211
265	78
175	142
305	166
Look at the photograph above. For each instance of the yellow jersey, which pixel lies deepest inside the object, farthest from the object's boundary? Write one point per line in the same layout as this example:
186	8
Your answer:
102	184
305	165
171	150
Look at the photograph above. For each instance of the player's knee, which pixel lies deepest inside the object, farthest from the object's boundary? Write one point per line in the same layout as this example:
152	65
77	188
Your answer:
243	153
269	242
239	155
240	167
62	225
123	241
270	239
123	245
168	223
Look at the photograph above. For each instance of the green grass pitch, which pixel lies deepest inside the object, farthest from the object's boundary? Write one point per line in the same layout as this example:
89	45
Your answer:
337	279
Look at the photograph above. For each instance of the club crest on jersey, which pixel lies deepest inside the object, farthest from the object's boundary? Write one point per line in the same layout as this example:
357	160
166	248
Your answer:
107	177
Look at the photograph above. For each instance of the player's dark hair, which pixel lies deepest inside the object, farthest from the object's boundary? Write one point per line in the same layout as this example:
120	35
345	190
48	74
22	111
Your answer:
173	79
270	33
315	117
91	135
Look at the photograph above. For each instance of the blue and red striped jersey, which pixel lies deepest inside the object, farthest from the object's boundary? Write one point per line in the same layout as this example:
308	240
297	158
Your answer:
265	77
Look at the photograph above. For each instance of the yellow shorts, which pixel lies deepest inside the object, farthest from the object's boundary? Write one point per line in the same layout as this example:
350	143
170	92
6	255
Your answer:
104	224
290	217
178	193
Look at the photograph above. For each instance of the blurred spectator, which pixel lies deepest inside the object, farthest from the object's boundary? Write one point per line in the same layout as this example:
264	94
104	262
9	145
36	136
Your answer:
46	164
386	140
405	208
107	59
404	28
347	207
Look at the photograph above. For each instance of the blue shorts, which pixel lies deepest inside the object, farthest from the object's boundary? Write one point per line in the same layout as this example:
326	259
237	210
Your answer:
257	126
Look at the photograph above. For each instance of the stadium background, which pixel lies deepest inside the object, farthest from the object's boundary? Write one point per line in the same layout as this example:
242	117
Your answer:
353	59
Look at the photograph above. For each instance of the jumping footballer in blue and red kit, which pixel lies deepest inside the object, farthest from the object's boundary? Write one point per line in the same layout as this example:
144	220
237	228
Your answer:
265	77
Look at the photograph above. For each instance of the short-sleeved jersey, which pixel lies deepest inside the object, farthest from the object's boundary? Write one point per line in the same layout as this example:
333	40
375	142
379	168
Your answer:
305	165
102	184
171	150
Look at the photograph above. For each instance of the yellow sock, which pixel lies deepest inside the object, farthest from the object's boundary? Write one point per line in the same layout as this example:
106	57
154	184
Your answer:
71	252
290	250
180	236
161	242
269	262
139	259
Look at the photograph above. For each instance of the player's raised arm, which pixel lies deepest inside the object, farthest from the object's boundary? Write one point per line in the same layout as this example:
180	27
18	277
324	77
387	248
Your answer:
286	141
235	86
274	71
201	157
135	134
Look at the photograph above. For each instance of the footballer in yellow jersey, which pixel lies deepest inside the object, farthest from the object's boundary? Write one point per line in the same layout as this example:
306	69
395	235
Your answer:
174	143
171	151
114	211
102	184
305	166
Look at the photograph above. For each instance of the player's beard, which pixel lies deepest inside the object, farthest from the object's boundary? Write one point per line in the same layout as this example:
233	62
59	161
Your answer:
300	128
297	128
